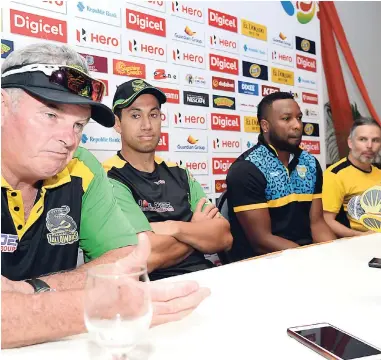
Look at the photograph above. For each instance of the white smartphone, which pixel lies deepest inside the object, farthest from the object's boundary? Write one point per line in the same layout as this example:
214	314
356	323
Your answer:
333	343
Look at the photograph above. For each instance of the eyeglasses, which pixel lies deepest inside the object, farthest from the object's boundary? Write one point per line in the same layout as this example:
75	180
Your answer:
71	78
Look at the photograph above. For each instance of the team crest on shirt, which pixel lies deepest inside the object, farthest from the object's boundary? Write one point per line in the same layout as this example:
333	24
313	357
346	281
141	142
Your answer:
302	170
62	227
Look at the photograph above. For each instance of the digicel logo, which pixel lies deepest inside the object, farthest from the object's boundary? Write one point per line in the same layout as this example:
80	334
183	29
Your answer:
37	26
222	165
305	63
267	90
309	98
222	20
223	64
163	143
225	122
220	186
173	95
149	24
313	147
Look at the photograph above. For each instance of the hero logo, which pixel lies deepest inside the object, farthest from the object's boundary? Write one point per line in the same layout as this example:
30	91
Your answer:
148	24
267	90
187	12
163	144
188	59
37	26
195	167
282	58
222	165
305	63
188	121
147	51
225	122
223	43
225	145
309	98
223	64
86	38
222	21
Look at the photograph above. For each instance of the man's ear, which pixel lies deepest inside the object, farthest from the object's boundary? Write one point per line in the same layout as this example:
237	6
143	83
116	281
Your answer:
117	125
264	124
350	144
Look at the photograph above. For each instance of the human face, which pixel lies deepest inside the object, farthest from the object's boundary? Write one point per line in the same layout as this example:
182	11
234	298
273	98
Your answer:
365	143
284	125
140	124
38	139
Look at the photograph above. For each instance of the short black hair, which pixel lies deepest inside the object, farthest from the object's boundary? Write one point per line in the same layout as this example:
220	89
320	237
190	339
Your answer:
360	121
266	103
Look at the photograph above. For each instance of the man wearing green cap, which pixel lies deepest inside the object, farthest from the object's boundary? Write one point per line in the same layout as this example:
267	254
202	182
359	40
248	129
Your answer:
185	224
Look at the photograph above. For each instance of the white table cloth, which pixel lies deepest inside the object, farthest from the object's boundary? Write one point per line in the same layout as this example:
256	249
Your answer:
254	302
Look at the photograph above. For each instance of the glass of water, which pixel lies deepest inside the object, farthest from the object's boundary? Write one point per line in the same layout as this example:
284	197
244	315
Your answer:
118	309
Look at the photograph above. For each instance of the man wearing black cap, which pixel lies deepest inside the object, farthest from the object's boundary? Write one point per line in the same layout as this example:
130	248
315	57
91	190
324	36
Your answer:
186	226
56	198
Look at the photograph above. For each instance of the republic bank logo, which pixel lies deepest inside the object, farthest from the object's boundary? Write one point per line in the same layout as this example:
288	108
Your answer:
80	6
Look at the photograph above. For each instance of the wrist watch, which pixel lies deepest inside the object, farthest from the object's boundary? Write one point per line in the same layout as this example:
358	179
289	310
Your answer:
39	285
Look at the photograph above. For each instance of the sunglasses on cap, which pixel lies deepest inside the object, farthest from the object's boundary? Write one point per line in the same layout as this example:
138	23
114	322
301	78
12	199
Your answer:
71	78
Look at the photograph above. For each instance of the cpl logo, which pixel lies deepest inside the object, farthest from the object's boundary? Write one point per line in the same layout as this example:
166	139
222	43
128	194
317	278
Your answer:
305	10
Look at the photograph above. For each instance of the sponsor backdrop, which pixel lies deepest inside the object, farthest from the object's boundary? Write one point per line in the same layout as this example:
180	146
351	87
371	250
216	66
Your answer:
214	60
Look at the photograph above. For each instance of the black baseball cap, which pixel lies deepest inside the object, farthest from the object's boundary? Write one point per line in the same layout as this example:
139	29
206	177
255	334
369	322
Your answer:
37	84
129	91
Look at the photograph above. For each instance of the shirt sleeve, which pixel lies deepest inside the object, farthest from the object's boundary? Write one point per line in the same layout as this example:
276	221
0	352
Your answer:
129	206
196	192
319	182
104	227
333	192
246	187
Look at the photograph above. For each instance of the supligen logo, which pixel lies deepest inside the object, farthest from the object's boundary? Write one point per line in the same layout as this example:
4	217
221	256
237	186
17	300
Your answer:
148	24
173	95
255	70
42	27
309	98
305	45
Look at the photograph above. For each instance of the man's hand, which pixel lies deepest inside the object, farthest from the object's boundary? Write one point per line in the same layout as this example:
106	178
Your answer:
171	301
210	211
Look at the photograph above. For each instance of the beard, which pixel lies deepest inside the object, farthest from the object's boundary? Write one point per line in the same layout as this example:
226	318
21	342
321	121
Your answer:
283	145
363	159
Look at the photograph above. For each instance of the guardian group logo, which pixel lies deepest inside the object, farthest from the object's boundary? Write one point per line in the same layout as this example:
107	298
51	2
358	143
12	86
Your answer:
305	10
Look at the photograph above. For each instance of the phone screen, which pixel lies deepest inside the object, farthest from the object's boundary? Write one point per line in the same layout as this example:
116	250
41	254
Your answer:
338	343
376	261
